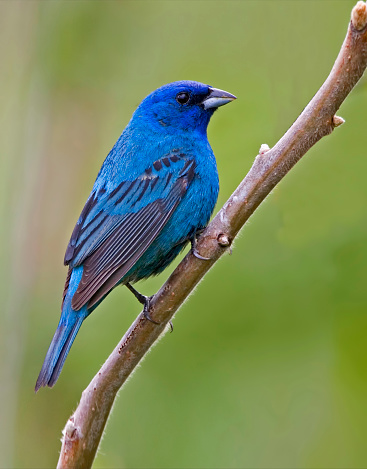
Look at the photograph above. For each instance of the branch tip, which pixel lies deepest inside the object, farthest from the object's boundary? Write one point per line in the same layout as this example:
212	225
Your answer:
359	16
337	121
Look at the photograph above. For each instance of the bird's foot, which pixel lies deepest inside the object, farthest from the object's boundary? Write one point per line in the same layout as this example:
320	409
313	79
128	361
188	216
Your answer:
194	241
146	310
144	300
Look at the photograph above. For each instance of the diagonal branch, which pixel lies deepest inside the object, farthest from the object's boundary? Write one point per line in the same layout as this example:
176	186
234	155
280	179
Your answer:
84	429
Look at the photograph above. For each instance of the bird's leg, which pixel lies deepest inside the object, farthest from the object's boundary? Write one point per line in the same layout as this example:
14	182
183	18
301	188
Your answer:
194	240
141	298
144	300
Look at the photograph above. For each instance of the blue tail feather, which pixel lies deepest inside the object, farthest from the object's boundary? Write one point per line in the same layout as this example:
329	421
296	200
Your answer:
65	334
58	351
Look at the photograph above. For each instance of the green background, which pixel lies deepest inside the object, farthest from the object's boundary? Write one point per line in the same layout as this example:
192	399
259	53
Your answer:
267	364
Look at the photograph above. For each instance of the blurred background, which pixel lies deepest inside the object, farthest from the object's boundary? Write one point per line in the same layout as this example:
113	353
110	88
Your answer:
282	381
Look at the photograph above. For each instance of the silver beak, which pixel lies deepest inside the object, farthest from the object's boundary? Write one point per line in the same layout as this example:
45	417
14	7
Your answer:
217	98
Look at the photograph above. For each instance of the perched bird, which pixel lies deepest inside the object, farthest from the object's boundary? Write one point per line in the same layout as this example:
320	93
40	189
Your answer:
155	192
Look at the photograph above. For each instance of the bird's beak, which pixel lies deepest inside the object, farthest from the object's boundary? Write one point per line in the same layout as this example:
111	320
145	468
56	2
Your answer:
217	98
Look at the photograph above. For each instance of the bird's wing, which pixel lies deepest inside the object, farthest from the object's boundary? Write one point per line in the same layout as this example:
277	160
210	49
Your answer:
116	228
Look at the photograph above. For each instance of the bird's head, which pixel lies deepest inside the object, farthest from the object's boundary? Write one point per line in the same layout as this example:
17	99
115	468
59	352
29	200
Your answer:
184	105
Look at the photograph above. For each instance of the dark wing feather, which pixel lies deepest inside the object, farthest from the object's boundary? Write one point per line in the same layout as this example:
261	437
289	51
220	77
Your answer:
112	239
88	207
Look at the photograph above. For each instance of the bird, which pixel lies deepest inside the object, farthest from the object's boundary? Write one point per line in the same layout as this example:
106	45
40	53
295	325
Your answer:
154	194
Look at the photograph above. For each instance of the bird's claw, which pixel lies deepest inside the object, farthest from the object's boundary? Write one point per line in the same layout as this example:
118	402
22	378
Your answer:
144	300
146	311
199	256
193	247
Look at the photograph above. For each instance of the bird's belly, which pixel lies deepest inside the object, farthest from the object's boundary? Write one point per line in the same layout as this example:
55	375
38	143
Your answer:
192	214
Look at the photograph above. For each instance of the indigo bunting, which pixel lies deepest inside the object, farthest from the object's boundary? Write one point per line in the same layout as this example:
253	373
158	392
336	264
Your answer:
154	193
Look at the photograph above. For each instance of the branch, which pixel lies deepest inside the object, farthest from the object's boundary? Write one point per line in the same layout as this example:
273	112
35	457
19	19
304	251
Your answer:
84	429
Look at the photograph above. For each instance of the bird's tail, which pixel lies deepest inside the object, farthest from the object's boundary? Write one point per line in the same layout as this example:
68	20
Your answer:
59	348
65	334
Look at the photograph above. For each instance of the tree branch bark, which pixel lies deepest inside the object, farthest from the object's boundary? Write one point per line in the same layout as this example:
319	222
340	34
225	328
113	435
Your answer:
84	429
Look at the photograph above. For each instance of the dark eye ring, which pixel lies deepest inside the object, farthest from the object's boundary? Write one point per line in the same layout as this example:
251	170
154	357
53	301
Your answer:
183	97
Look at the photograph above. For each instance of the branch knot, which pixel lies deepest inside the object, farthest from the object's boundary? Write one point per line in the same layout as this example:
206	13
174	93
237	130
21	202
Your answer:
70	430
224	240
337	121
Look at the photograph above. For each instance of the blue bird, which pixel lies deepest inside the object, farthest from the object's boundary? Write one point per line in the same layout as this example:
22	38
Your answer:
154	193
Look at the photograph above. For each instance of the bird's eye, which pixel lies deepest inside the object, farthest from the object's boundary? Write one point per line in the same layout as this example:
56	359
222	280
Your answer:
183	97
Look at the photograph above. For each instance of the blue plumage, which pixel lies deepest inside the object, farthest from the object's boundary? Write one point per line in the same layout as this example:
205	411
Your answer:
156	189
